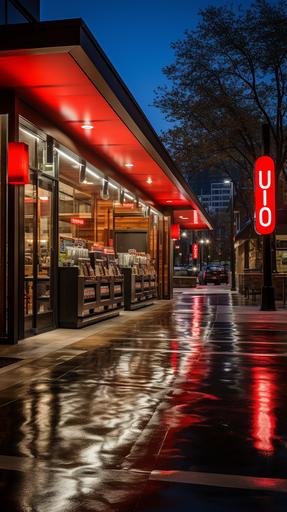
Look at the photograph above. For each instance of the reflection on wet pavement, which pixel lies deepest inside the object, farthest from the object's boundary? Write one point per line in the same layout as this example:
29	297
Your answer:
188	388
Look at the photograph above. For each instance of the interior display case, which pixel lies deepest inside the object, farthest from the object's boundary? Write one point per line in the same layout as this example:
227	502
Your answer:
140	279
95	287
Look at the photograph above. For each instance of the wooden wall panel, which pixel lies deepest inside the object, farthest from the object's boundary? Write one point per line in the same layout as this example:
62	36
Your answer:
104	221
131	223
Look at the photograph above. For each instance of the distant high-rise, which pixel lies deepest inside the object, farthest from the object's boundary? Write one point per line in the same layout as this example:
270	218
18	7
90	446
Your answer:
19	11
219	198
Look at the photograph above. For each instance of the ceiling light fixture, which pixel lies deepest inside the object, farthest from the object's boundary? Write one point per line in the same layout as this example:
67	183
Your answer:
87	126
149	180
169	201
129	165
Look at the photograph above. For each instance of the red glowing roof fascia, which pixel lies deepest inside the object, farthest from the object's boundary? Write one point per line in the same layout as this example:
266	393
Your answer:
189	219
59	69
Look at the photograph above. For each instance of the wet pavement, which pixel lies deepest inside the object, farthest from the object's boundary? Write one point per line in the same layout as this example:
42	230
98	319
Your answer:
182	408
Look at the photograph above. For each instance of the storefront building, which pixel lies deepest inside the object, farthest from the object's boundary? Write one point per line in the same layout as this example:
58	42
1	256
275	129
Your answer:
98	196
248	248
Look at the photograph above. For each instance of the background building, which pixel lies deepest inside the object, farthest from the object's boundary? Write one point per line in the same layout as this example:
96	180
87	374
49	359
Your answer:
218	199
14	11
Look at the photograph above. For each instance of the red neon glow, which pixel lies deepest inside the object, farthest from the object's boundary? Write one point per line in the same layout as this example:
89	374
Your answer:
194	251
264	419
175	232
77	221
264	190
18	163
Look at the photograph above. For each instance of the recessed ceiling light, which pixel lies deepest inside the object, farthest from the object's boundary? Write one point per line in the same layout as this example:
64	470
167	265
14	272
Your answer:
169	201
149	180
184	218
87	126
129	165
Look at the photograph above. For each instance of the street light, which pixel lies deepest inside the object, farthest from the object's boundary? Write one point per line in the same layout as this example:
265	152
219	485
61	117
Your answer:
202	243
232	253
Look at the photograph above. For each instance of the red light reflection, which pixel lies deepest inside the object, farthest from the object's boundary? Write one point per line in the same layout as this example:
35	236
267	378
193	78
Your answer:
174	347
196	316
264	419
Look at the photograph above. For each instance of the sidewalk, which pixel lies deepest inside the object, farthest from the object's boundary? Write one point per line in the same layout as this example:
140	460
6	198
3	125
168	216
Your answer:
181	406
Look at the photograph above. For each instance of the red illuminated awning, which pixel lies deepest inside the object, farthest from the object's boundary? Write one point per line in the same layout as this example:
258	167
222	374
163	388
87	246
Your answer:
59	69
190	219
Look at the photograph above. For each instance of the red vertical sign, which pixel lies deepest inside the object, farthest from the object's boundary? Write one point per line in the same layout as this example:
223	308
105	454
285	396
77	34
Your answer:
18	163
175	232
194	251
264	190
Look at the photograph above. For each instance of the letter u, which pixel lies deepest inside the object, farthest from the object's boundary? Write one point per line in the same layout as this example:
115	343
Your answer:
264	187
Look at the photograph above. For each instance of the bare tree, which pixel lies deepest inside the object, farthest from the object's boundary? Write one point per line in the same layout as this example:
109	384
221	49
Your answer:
228	77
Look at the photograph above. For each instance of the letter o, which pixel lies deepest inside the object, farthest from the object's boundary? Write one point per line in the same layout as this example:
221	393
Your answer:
269	214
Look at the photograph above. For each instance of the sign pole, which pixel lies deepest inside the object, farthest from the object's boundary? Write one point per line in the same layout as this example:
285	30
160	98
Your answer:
267	292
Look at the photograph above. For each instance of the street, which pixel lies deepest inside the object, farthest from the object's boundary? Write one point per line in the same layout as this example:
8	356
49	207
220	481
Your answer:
182	407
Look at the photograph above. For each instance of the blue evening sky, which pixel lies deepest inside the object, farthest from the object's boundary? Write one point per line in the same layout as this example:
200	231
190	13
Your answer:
136	36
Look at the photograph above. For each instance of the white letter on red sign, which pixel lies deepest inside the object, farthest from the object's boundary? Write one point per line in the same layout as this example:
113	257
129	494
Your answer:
264	188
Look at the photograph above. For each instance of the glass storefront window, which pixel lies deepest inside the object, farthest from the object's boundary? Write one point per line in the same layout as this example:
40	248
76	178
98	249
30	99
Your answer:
29	215
92	210
76	214
44	237
39	228
79	218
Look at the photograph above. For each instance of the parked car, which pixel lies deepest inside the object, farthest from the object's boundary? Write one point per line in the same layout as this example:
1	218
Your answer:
215	273
185	270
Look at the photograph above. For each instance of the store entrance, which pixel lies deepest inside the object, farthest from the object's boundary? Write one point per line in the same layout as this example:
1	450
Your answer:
39	287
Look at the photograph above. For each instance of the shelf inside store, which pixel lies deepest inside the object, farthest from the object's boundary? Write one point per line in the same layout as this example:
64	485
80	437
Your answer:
77	308
136	293
39	278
